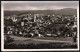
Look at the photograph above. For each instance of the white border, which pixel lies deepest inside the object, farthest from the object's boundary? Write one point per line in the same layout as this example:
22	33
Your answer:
2	35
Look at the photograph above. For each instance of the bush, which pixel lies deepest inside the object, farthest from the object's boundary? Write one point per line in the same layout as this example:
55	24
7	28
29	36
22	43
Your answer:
8	39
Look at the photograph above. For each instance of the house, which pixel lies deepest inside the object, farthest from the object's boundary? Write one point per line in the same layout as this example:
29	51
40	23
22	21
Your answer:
32	34
7	17
40	35
14	18
22	23
9	32
20	32
48	34
59	33
54	35
35	15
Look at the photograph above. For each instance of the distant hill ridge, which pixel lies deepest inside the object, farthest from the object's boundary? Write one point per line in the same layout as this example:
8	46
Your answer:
65	11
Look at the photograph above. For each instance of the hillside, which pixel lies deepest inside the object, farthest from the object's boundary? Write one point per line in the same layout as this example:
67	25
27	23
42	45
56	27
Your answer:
66	11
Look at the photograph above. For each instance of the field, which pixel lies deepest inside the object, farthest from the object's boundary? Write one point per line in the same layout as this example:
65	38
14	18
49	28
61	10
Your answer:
40	42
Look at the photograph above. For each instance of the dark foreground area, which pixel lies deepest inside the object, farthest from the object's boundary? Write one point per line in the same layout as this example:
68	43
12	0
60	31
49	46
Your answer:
55	45
39	43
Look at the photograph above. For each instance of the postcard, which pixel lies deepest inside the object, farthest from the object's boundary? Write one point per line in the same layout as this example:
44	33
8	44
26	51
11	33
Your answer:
39	25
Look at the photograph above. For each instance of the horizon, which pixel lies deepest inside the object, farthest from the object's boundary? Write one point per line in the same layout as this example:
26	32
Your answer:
38	10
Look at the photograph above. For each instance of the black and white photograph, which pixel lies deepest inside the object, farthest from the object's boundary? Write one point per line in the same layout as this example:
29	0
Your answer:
39	25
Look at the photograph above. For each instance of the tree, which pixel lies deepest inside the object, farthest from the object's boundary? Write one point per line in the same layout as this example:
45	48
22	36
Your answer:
54	30
61	28
64	31
5	28
9	22
8	39
75	29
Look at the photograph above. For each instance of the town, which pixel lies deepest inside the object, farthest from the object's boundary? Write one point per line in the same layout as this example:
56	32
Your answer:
41	25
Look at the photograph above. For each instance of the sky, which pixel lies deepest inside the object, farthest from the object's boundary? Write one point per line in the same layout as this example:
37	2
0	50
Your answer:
38	5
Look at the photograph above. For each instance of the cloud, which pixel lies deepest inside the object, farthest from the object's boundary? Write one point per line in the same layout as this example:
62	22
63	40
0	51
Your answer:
39	5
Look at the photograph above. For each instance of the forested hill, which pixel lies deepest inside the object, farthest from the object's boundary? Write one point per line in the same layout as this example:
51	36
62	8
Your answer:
66	11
